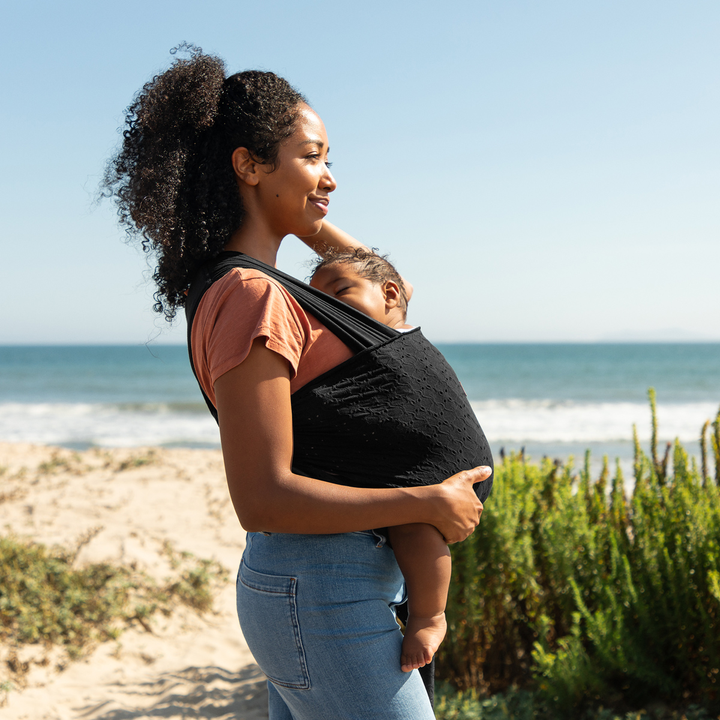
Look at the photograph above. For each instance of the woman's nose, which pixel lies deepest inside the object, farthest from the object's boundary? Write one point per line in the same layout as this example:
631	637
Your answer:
328	181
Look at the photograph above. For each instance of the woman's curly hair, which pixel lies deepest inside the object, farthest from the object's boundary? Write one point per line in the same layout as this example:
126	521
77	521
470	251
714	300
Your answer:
173	179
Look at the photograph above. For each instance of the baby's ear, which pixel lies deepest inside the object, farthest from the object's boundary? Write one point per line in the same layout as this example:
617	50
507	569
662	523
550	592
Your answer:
391	291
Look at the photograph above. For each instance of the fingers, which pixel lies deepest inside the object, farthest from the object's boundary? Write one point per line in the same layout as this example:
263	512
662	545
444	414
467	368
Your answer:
463	533
466	508
455	540
480	473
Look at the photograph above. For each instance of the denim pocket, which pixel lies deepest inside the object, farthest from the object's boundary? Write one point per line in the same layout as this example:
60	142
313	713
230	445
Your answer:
267	608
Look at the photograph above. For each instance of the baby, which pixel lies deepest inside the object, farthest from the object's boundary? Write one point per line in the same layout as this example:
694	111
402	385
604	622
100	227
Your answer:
368	282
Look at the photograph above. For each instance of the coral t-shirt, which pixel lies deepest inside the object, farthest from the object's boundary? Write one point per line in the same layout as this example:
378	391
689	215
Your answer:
246	304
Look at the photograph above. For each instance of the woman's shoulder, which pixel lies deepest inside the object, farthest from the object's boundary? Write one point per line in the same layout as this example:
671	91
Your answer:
249	294
246	299
242	305
247	282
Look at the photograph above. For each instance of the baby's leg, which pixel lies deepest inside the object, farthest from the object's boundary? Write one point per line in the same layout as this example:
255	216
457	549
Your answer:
424	559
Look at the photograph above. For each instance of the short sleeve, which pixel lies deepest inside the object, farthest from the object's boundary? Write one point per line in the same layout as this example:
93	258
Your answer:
242	306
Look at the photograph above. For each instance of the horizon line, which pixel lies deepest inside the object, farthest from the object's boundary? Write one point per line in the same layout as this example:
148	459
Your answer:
154	343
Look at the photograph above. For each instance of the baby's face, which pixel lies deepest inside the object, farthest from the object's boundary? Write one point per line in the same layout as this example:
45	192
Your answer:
343	282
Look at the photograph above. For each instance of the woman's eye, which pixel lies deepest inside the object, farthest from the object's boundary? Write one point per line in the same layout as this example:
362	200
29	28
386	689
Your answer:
315	157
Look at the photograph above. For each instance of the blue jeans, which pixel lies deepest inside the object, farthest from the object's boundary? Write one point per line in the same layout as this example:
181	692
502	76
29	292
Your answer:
317	612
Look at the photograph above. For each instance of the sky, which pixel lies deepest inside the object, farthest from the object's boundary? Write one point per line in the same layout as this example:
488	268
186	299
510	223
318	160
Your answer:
540	171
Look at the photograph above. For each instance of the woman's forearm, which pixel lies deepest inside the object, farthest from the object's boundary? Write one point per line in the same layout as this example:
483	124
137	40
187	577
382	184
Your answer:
297	504
332	237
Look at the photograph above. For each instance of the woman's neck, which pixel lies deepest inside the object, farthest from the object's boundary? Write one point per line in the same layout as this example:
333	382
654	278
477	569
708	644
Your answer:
256	241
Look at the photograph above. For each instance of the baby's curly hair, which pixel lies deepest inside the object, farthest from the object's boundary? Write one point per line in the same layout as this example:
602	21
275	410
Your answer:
367	264
173	179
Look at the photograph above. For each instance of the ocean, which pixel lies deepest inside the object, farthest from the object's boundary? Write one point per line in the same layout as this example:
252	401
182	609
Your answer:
552	400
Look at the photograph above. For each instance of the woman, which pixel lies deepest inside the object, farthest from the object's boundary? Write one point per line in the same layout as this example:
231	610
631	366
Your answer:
213	165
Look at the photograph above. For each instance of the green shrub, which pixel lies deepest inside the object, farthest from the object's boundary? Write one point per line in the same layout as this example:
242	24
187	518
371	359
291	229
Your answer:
514	704
45	599
588	597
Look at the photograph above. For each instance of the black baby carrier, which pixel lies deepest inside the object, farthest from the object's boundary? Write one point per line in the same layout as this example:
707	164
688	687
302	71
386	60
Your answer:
393	415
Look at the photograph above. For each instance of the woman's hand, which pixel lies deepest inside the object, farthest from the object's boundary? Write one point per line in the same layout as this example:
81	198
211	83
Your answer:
458	508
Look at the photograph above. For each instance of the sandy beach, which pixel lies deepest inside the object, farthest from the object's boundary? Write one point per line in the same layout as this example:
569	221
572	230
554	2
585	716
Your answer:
132	503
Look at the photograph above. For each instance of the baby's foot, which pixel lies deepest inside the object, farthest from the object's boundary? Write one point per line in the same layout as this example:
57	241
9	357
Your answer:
422	639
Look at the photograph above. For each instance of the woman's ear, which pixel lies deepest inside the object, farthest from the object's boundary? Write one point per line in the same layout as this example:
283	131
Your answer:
246	167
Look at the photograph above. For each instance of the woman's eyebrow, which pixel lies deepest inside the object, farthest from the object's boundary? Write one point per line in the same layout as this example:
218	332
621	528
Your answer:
320	143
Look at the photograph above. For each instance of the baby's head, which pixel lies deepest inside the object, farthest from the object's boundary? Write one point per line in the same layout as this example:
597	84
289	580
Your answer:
366	281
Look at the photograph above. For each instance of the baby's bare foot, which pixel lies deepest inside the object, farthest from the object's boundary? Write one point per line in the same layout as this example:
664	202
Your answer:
422	639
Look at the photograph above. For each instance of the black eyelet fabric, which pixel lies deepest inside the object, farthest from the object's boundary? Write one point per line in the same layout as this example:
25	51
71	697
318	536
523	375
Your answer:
394	415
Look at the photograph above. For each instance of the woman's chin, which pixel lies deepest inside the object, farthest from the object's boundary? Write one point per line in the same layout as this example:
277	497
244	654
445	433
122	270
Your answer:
310	229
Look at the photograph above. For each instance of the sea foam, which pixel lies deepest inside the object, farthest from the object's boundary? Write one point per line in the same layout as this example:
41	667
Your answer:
548	421
107	425
504	421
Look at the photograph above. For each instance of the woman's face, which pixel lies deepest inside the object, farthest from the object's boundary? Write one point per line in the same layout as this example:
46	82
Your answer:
294	196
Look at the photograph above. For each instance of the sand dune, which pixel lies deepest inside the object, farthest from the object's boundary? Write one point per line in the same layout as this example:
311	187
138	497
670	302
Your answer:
131	503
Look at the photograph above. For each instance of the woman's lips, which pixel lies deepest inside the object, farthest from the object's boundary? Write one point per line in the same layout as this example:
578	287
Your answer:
321	204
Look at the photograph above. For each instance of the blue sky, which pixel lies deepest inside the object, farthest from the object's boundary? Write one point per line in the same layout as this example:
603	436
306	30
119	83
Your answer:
541	171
